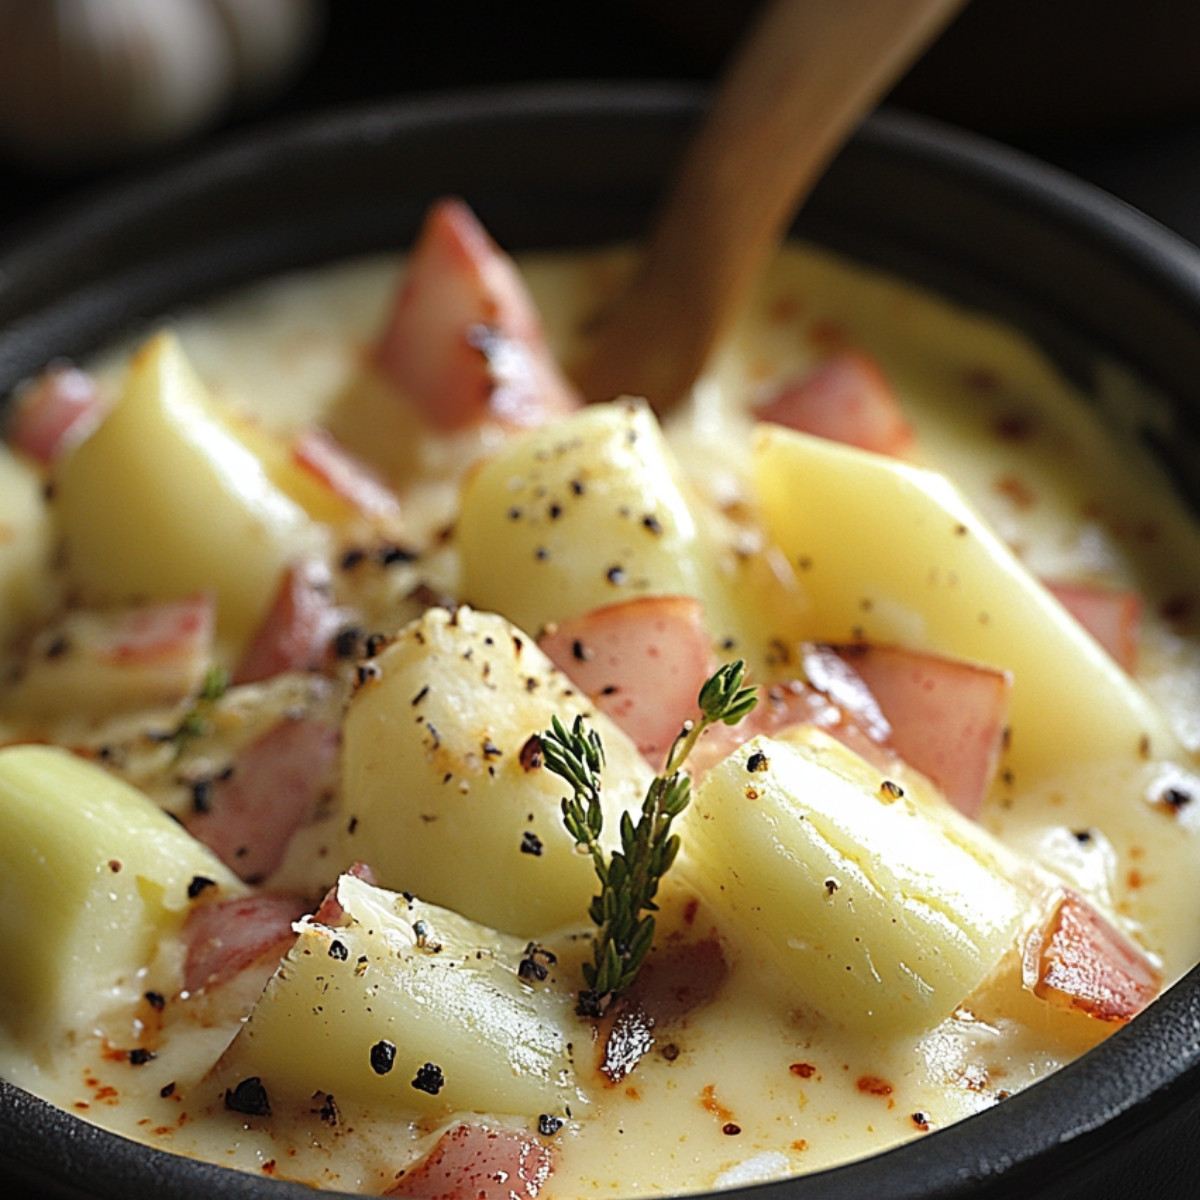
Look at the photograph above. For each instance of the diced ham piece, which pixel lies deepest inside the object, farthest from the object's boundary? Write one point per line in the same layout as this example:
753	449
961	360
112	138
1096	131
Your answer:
464	341
642	661
1078	959
847	398
58	411
298	631
274	789
678	978
224	937
116	660
173	631
858	725
479	1162
947	716
330	911
318	452
1113	616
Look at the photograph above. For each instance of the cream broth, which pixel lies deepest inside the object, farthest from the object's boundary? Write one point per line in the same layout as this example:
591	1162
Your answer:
756	1084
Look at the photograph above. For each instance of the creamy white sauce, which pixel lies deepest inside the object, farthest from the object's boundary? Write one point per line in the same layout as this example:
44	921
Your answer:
756	1084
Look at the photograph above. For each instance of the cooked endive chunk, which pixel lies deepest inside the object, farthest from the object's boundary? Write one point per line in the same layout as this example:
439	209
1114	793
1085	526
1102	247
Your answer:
893	553
93	876
163	501
592	510
405	1005
443	787
26	542
883	906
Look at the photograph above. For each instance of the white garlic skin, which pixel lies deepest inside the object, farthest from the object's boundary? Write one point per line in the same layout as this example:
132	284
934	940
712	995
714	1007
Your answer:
84	82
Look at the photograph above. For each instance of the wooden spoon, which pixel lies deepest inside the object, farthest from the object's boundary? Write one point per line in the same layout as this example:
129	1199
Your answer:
807	73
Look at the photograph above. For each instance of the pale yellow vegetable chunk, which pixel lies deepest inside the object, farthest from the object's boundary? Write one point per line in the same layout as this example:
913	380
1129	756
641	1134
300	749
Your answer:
443	795
886	911
163	500
358	1011
93	876
593	510
893	553
26	541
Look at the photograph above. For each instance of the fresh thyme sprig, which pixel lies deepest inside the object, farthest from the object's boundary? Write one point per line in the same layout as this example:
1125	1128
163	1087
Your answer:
195	721
623	910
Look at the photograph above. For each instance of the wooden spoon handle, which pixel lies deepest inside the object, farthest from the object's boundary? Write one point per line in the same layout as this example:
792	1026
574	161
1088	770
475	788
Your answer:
807	73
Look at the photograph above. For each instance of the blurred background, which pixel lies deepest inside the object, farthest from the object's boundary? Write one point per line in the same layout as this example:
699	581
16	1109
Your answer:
92	90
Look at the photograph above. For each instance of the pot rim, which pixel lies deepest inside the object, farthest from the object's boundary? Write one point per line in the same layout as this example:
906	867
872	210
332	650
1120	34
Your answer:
1142	1076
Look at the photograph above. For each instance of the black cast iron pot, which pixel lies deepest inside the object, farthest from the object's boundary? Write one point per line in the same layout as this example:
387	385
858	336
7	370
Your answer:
1081	273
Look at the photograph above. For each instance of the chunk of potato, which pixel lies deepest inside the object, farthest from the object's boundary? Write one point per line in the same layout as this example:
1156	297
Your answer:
592	510
26	542
408	1006
92	876
163	500
886	910
893	553
442	790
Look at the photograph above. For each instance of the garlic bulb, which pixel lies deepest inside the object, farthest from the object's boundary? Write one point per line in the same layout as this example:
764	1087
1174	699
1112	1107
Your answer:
87	81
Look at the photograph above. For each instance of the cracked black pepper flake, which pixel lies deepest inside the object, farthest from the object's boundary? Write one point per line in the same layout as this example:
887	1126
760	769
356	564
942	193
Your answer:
375	642
367	671
327	1108
549	1125
1175	798
615	575
531	844
429	1078
167	1089
554	511
1083	836
383	1056
338	950
248	1098
580	652
489	749
345	644
156	1000
351	558
921	1120
536	964
730	1129
890	790
139	1056
202	795
391	555
198	884
757	761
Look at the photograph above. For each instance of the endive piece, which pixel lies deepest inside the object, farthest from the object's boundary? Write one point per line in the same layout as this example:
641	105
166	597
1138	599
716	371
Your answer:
401	1004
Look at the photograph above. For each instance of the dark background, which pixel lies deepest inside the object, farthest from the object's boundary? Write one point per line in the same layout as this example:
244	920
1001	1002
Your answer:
1109	89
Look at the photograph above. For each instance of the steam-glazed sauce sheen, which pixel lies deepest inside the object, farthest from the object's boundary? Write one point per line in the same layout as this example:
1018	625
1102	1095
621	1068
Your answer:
741	1071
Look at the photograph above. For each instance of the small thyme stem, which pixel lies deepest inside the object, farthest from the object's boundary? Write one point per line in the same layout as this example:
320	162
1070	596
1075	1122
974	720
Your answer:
623	910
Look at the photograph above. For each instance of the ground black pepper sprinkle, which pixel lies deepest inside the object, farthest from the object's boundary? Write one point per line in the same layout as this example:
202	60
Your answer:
390	556
167	1089
730	1129
615	575
139	1056
198	885
249	1098
156	1000
757	761
580	652
351	558
531	844
375	643
536	964
338	950
429	1079
890	790
1175	798
549	1125
202	795
383	1057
